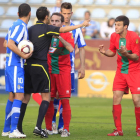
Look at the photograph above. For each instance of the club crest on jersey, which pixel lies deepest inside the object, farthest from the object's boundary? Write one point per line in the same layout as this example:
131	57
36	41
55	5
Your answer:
137	41
54	44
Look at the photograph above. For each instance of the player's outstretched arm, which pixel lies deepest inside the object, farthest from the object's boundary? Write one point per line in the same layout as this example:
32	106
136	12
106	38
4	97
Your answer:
70	28
11	45
108	52
67	45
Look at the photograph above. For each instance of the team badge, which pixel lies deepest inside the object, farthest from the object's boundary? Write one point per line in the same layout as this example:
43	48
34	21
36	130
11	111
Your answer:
18	87
137	41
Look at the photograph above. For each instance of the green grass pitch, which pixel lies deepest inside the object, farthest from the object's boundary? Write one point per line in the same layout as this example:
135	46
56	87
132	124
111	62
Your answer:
91	119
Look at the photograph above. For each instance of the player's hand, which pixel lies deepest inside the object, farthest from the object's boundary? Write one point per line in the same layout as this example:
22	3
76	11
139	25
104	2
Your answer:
55	36
122	50
26	56
101	49
86	23
81	73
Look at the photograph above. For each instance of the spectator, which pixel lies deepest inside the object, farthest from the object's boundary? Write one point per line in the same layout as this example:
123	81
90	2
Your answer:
107	28
90	31
57	7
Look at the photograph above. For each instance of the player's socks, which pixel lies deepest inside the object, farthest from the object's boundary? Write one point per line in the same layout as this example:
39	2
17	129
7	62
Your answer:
137	115
37	97
61	123
66	113
22	113
49	116
7	123
15	114
117	111
42	111
56	104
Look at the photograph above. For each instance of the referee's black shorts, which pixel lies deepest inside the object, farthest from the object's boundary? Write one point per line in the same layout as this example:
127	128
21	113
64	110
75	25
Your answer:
36	79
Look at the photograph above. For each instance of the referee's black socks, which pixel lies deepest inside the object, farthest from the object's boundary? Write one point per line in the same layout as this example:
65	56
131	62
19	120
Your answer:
42	111
22	113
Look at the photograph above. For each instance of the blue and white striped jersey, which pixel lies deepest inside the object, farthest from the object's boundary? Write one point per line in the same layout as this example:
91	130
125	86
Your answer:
17	32
79	40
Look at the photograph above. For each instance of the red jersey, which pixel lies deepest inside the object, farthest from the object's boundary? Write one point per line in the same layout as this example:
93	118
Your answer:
59	56
131	41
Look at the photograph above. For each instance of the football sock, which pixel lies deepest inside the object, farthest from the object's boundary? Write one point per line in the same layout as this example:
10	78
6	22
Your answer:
66	113
49	116
7	123
117	111
22	113
60	125
137	115
42	111
15	114
56	104
37	97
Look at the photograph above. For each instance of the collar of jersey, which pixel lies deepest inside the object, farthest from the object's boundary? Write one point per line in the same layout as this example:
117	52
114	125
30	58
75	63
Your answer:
19	20
40	22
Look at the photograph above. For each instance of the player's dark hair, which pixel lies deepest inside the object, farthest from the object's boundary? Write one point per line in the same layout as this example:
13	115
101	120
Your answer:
41	13
66	5
88	12
60	15
124	19
24	10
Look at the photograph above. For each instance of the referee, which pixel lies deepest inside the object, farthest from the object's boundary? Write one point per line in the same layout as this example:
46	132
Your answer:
36	69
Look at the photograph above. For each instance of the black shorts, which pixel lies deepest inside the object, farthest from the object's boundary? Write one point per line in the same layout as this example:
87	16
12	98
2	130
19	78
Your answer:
36	79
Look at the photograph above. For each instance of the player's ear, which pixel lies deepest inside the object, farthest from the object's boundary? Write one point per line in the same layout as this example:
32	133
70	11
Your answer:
71	13
30	13
18	13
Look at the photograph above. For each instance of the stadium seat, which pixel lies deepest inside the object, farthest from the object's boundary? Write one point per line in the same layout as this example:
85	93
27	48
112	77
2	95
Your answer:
12	11
1	11
79	13
98	13
133	14
6	23
134	3
50	2
114	13
33	11
3	34
132	27
17	1
102	2
71	1
35	1
4	1
85	2
139	28
119	2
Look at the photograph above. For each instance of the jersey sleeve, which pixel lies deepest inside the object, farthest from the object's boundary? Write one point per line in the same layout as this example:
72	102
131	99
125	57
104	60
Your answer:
135	47
17	33
52	30
112	45
80	40
70	39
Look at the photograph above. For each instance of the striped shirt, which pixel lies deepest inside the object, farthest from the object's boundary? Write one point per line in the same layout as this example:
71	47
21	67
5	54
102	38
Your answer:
17	32
79	40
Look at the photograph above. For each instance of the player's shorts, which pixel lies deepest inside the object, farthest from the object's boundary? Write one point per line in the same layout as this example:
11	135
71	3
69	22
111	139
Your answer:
14	79
124	81
37	79
62	84
72	83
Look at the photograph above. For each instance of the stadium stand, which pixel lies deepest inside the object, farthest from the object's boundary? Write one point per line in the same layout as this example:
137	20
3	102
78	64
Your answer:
114	13
132	27
6	23
85	2
1	11
133	14
102	2
100	10
119	2
98	13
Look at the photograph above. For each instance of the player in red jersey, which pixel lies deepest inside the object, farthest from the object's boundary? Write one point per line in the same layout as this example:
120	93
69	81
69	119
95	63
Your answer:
60	73
126	44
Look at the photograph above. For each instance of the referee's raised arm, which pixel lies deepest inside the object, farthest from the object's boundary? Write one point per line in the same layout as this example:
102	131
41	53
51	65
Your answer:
70	28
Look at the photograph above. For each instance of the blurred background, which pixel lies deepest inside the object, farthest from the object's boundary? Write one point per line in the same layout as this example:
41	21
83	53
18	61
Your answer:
100	70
